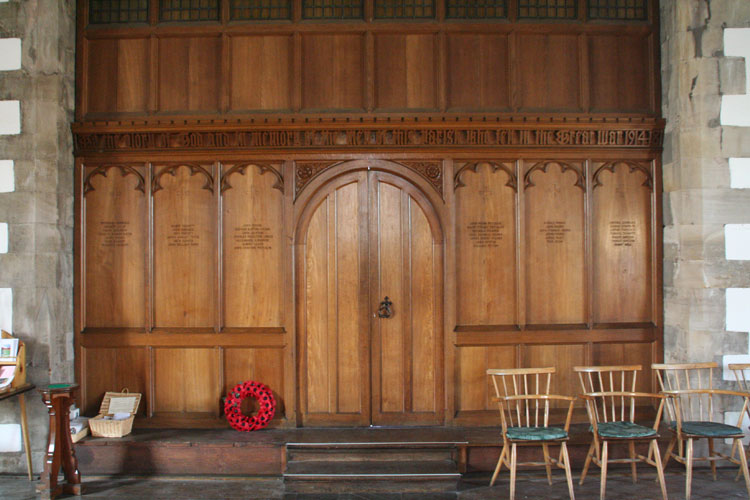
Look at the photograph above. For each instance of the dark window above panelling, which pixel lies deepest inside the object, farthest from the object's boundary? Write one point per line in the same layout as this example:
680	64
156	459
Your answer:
260	10
547	9
333	9
476	9
118	11
404	9
188	10
619	10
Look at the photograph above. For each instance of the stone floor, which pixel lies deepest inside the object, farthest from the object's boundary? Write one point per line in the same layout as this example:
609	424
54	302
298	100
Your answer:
530	485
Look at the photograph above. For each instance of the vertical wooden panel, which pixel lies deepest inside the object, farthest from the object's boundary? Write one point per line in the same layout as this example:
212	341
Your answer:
101	93
619	72
552	81
423	299
185	380
622	243
261	72
405	71
189	73
564	358
554	214
332	71
115	246
262	365
184	246
252	246
333	337
478	76
133	74
485	237
474	390
627	354
392	282
113	369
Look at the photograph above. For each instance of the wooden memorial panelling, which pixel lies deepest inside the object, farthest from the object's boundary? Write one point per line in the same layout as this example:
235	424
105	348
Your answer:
622	201
563	357
268	89
185	381
486	243
332	71
185	244
628	354
554	194
478	71
118	75
619	80
405	69
264	365
189	73
113	369
252	242
116	207
475	391
552	82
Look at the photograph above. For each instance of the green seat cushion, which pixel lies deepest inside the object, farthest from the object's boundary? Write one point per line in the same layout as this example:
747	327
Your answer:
708	429
535	433
624	430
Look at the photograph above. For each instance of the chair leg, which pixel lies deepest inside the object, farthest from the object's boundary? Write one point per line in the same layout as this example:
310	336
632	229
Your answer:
689	469
513	471
547	463
588	462
631	449
603	486
743	460
659	469
566	463
499	463
711	454
668	453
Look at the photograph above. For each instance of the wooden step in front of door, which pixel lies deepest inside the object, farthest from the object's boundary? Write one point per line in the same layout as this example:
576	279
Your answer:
372	467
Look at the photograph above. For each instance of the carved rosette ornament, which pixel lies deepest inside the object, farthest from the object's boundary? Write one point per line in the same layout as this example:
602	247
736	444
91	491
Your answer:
430	170
307	171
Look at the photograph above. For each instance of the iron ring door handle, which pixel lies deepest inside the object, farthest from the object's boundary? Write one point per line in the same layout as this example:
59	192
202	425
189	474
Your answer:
384	309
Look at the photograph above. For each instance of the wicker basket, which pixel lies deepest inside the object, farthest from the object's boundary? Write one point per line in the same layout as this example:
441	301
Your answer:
101	427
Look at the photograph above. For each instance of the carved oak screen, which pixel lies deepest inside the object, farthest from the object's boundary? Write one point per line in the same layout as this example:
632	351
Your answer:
514	144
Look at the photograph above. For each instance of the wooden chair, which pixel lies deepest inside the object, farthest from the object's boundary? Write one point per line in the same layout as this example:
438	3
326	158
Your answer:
692	417
523	397
610	395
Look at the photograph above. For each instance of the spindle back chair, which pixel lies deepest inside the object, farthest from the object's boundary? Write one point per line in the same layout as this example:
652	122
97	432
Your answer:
692	415
524	402
611	399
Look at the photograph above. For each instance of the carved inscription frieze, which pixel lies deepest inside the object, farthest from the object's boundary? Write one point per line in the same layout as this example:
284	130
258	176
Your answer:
364	137
474	165
262	167
125	170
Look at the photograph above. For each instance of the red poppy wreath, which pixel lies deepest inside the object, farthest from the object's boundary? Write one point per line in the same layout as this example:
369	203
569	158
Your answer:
233	406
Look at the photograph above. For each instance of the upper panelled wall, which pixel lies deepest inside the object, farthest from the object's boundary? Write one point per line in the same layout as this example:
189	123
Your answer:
572	64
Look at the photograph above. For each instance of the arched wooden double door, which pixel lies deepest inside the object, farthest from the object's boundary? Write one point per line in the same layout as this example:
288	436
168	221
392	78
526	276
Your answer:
366	235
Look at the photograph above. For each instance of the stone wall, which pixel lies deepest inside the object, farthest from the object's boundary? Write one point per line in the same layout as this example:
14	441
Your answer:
706	204
37	206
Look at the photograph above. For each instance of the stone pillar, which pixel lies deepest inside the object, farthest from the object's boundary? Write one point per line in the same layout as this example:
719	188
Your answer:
38	267
699	200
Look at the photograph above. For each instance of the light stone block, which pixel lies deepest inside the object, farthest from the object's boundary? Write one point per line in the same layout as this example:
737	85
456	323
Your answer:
6	309
10	54
735	110
738	309
10	117
728	374
737	43
7	180
10	438
3	237
737	241
739	173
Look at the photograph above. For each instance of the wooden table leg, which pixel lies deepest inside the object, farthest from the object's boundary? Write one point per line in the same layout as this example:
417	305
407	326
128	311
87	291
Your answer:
25	432
59	445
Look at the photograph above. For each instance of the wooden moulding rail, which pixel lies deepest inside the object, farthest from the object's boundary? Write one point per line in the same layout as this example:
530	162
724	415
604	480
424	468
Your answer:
344	134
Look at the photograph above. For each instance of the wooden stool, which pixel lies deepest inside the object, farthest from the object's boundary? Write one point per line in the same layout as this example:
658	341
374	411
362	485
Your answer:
58	398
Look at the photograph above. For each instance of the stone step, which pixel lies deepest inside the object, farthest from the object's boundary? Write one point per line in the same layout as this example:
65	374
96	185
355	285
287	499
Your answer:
370	452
